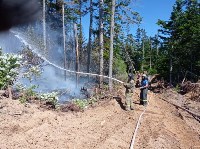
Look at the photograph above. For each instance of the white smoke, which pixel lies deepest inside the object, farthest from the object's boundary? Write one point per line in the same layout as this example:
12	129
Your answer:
52	78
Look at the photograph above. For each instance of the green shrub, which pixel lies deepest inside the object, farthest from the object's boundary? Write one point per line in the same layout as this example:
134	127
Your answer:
177	88
9	69
81	103
92	100
52	97
152	71
27	93
32	72
119	69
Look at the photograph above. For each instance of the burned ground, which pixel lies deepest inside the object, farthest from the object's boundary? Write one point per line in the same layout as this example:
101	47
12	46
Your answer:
106	125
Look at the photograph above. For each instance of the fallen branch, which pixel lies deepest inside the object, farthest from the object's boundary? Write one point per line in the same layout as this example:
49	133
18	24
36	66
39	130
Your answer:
195	115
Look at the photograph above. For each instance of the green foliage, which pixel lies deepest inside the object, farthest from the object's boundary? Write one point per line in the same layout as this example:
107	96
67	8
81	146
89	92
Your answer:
84	103
92	100
162	66
177	88
181	38
51	98
27	93
9	69
31	64
10	65
105	86
152	71
32	71
119	68
81	103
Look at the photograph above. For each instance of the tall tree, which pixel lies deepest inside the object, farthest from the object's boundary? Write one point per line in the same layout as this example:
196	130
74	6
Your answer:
181	37
90	37
101	3
111	43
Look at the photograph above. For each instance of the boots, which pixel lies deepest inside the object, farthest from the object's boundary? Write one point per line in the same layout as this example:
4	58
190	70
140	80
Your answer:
129	108
145	103
141	102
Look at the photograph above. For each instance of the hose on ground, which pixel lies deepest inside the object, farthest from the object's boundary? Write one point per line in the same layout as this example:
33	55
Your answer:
137	127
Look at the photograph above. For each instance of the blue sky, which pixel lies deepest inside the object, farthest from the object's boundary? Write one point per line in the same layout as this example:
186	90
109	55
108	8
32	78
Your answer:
151	11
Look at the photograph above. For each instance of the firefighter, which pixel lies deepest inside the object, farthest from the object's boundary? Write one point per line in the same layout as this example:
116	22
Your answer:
138	81
144	90
129	92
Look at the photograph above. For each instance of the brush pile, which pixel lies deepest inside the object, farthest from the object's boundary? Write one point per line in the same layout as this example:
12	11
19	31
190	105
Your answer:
157	84
191	88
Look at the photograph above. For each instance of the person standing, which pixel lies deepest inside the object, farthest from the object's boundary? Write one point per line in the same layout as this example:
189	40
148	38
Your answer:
138	81
144	90
129	92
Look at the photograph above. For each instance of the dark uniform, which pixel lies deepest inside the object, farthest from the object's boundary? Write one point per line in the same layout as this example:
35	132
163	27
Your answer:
129	92
144	90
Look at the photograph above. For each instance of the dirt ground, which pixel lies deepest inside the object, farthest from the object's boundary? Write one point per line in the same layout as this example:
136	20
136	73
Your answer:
107	126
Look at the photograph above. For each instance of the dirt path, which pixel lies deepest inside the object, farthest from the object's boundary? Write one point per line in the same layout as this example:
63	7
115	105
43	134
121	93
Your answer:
165	126
104	127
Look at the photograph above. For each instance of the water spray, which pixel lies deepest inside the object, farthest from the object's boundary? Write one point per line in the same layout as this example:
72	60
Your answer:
61	68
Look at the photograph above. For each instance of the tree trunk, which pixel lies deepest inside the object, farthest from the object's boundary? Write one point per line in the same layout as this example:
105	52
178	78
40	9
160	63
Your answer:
150	63
10	92
170	71
44	27
77	54
64	47
111	44
157	42
90	38
142	54
80	38
101	2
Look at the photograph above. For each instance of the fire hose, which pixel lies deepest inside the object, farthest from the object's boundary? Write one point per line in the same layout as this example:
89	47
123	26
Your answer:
61	68
137	127
195	115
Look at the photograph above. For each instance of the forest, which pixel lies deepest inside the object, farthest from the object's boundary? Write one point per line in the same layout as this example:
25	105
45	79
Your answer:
173	52
109	48
62	84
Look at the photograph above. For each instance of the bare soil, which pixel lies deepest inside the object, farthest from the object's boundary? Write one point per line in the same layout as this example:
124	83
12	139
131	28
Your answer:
105	126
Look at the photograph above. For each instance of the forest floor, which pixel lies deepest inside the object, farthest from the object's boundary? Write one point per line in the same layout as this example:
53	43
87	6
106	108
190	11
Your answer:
105	126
